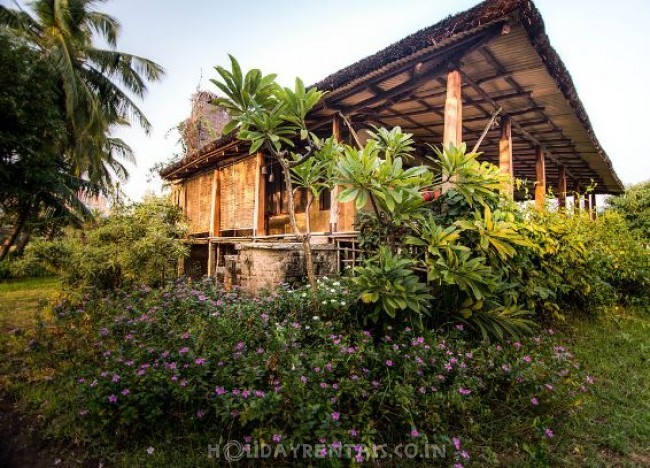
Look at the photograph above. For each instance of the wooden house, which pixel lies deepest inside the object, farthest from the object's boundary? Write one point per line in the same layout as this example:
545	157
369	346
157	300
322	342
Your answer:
443	84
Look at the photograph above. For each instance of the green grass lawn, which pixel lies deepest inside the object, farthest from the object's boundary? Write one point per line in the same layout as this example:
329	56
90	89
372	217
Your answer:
19	300
611	429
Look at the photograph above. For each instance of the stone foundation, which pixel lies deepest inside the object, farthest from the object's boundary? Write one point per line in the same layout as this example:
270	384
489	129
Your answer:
257	266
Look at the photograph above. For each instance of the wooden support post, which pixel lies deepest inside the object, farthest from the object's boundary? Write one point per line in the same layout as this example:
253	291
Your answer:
335	208
505	151
211	259
181	266
216	216
260	196
561	188
453	130
213	202
540	176
592	206
453	117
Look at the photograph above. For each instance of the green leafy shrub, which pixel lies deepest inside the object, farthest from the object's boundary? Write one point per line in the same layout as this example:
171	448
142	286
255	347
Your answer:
634	206
136	244
193	358
498	267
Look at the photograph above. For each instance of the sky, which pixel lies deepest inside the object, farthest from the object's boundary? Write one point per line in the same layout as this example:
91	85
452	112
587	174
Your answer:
604	44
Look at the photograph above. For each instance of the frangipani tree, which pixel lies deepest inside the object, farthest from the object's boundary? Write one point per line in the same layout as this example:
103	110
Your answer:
273	118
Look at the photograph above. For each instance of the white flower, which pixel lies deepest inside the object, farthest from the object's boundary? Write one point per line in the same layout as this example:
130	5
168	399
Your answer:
150	450
315	317
336	284
342	303
307	327
333	301
324	302
304	294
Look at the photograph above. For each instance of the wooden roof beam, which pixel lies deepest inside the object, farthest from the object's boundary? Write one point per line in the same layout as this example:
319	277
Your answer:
489	56
515	124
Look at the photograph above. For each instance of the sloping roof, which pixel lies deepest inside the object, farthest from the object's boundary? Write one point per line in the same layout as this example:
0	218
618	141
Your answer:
442	35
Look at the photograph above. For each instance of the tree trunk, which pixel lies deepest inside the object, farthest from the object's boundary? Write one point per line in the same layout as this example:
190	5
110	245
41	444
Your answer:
9	241
306	247
304	238
22	242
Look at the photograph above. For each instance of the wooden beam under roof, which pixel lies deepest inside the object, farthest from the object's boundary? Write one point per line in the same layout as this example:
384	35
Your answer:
521	130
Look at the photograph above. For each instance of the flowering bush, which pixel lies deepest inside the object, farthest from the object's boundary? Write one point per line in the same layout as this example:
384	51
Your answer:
193	357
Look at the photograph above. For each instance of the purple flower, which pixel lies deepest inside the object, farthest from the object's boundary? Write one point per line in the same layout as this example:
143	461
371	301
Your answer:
112	399
277	438
186	335
389	363
116	378
336	415
456	442
245	394
103	331
219	390
259	393
527	358
183	350
534	401
200	413
80	381
415	433
353	432
303	379
260	351
464	455
199	361
126	391
548	433
83	412
239	346
464	391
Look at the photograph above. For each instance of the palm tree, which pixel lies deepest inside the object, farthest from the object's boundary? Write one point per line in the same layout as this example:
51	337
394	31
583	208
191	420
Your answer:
96	84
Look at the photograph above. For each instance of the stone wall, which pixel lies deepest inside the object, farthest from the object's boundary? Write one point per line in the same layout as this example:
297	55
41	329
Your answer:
265	265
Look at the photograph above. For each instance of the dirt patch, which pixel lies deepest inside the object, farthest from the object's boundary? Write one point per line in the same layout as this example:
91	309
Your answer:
24	445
